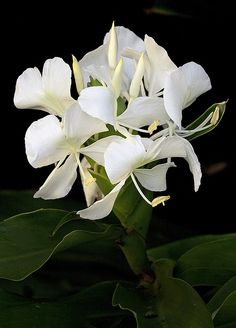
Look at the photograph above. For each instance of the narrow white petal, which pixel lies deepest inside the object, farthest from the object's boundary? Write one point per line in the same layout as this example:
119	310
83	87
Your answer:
45	142
79	126
60	182
103	207
175	94
98	102
142	111
97	149
154	179
123	157
159	65
194	164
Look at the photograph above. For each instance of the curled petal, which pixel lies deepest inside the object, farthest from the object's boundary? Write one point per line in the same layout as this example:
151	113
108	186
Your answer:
60	181
103	207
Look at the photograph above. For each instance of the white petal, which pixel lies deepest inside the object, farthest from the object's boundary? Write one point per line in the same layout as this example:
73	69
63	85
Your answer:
172	147
180	147
98	102
29	90
154	179
91	191
194	164
79	126
126	39
97	149
56	79
143	111
159	66
49	92
45	142
92	61
197	79
59	182
182	87
103	207
123	157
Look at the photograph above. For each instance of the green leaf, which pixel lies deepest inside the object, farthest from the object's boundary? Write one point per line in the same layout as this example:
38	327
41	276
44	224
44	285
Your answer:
226	316
84	309
218	299
169	303
26	240
211	263
220	106
14	202
177	248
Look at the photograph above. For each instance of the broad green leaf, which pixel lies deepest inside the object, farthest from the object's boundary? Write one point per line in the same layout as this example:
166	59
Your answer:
14	202
84	309
218	299
26	240
177	248
226	316
169	303
211	263
219	106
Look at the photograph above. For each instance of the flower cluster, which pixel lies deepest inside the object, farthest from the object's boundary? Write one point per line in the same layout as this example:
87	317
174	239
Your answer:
127	119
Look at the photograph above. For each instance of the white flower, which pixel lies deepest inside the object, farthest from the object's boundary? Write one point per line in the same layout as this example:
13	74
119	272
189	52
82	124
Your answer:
50	141
49	92
125	158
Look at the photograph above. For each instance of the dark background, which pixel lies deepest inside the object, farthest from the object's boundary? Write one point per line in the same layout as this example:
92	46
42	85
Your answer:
204	33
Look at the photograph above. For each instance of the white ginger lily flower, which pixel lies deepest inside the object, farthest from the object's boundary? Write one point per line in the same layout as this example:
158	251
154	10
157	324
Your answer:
49	92
50	141
101	62
124	158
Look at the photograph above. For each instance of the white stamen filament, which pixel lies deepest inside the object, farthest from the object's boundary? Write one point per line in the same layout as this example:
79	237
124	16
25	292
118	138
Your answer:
133	128
139	190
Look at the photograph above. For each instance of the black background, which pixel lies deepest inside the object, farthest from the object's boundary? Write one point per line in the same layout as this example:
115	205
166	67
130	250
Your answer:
36	31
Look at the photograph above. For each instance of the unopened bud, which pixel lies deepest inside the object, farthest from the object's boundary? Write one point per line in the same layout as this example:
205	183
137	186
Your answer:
77	75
